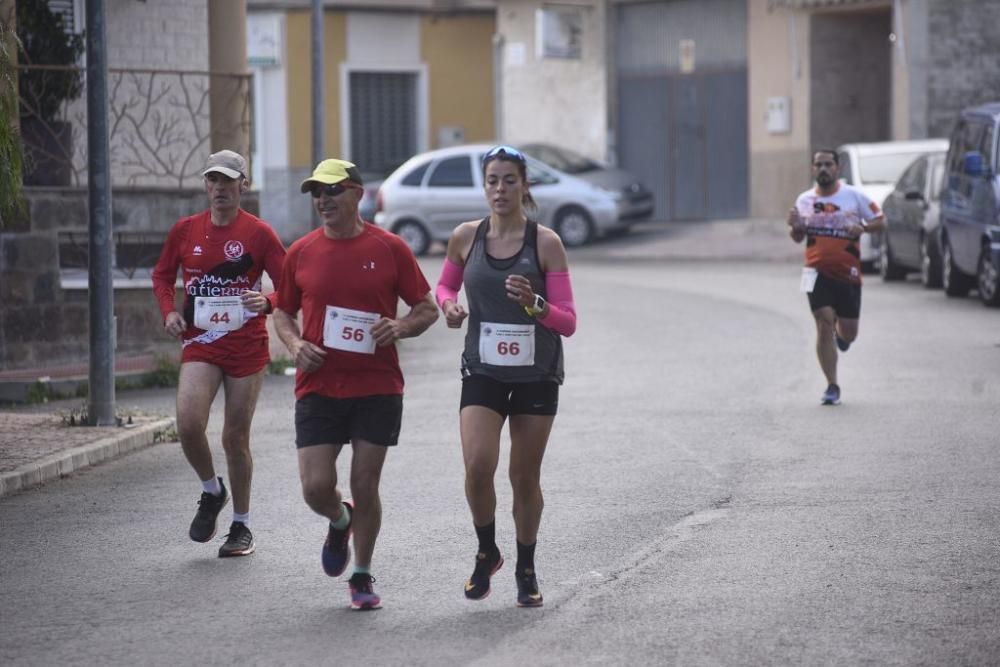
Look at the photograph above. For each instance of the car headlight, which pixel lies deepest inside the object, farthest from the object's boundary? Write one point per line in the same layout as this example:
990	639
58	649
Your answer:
616	195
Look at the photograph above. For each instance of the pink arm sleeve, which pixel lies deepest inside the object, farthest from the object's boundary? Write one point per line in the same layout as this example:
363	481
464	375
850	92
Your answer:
449	283
562	312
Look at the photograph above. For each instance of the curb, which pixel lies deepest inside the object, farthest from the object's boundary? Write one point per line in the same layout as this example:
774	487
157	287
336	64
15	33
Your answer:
68	461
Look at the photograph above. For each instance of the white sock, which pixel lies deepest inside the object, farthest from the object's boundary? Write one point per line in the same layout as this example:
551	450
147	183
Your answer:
212	486
242	518
345	517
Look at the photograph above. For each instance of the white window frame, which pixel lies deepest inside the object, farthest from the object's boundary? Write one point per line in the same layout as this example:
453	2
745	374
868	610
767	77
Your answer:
346	69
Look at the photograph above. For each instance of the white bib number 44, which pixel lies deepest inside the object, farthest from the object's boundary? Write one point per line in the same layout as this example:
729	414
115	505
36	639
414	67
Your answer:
218	313
349	330
507	344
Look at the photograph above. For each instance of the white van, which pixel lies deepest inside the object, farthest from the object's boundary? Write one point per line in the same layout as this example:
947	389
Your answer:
874	168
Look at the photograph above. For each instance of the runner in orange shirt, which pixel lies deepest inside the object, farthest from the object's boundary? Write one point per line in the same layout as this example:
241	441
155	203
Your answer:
831	218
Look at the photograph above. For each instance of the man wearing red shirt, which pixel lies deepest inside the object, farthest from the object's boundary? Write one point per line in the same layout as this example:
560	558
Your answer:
223	253
347	278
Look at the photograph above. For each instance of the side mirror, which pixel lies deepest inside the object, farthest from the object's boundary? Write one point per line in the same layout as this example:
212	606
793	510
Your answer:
914	196
972	164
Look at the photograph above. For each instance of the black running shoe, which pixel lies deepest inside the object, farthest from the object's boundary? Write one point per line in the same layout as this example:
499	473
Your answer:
831	396
336	550
203	526
478	585
528	594
842	344
239	541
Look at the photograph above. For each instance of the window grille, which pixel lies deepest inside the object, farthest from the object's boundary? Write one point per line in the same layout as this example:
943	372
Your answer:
383	120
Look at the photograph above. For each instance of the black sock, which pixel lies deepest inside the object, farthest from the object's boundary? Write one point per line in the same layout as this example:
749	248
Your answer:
487	538
525	557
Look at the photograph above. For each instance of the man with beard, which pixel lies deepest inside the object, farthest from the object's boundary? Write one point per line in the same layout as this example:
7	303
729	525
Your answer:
347	278
223	253
832	217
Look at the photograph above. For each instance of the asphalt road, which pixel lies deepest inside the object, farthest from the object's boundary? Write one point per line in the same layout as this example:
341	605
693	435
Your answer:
701	507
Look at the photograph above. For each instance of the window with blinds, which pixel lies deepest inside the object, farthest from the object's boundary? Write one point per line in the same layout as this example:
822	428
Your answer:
65	9
383	120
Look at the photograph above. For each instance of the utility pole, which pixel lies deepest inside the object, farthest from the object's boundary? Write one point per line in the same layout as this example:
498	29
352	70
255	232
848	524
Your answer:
101	408
317	91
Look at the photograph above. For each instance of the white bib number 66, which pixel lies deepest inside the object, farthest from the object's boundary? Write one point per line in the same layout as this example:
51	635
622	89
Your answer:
507	344
349	330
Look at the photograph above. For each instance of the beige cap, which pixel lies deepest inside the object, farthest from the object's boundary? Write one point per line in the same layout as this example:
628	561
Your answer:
226	162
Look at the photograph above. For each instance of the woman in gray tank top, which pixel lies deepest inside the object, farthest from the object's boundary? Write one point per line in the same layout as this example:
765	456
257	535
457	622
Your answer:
516	277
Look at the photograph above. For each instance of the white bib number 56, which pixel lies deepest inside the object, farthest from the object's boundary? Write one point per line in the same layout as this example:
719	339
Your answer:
349	330
507	344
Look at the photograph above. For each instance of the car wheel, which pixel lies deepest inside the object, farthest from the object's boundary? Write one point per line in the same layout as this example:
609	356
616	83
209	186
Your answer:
988	279
887	266
930	264
573	226
954	281
415	236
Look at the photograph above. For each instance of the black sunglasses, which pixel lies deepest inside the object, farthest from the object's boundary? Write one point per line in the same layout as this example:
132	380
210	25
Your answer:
508	151
328	190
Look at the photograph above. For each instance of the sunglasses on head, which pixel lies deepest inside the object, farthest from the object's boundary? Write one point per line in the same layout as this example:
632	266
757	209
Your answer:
328	190
508	151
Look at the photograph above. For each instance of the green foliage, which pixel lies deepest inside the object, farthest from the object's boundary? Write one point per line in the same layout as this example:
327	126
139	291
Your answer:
164	375
38	393
11	202
278	366
44	41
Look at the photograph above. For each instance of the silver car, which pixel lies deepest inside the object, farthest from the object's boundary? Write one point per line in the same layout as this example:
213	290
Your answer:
432	193
638	199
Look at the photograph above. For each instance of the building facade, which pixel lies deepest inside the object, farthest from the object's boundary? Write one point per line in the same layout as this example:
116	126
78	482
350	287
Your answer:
399	78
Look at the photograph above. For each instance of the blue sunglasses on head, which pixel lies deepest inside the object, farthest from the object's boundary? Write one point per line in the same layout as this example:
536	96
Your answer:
508	151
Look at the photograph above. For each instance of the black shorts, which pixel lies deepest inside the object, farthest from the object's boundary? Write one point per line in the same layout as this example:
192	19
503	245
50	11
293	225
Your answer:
511	398
321	420
843	297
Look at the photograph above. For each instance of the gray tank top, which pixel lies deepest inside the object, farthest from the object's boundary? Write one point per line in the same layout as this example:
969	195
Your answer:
500	351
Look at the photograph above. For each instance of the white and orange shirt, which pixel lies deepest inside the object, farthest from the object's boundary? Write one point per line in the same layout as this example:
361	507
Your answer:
829	246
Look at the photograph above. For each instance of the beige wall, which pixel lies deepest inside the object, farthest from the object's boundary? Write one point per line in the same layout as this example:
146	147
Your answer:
778	66
299	36
458	52
556	100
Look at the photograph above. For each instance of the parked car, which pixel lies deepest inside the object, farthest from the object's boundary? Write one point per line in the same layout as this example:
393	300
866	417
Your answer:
911	241
431	193
875	168
639	199
366	208
970	206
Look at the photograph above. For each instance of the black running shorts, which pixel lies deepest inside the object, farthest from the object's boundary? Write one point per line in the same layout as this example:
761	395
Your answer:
321	420
511	398
843	297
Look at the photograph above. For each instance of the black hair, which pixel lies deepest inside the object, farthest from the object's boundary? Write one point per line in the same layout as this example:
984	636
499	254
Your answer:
527	200
836	158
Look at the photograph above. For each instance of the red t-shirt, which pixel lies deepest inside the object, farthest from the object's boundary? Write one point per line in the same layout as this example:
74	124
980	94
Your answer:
218	261
369	273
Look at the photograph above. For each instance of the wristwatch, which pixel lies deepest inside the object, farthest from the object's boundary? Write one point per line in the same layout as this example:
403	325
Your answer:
537	307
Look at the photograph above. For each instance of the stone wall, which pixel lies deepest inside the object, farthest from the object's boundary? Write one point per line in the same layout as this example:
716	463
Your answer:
44	312
964	60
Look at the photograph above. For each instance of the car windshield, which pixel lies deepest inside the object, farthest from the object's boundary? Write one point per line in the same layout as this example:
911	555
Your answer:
562	159
883	168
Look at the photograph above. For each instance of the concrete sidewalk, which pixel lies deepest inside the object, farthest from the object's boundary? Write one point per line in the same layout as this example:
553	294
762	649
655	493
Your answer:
37	447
